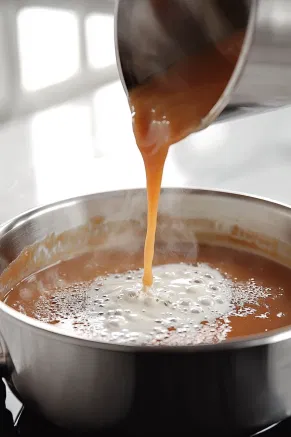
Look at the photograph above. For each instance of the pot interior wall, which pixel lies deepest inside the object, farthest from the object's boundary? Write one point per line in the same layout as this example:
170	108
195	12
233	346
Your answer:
117	221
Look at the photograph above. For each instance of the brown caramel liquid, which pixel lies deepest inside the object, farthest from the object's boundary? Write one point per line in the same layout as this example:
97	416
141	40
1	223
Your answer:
168	108
61	293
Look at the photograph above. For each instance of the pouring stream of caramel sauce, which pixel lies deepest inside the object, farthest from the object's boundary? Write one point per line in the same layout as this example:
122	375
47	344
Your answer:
170	106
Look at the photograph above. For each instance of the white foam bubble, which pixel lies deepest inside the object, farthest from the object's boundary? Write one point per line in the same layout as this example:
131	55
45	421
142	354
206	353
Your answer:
26	294
181	298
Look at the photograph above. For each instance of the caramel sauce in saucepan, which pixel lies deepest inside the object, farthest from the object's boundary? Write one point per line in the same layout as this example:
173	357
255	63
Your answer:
70	295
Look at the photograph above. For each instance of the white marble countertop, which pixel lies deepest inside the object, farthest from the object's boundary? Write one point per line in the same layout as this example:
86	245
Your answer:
87	145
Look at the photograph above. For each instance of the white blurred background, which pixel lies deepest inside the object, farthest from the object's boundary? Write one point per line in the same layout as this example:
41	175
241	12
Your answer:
66	127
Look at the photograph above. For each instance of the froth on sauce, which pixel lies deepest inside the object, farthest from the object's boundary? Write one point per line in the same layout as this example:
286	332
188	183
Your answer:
221	294
170	106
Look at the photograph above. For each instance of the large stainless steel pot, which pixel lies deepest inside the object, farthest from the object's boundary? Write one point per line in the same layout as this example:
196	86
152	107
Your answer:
230	388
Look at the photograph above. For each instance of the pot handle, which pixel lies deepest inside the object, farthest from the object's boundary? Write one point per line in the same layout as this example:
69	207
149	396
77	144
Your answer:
6	418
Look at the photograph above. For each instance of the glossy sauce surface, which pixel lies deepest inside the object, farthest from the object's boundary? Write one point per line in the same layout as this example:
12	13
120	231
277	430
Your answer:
81	296
168	108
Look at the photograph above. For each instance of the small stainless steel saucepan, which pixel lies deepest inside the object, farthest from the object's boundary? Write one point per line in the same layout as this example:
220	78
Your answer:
152	35
232	388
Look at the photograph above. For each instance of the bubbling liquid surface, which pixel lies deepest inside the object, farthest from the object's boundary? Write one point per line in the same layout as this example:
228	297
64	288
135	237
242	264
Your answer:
222	294
182	297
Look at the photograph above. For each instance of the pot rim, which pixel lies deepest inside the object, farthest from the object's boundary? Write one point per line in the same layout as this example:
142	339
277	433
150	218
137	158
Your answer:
256	340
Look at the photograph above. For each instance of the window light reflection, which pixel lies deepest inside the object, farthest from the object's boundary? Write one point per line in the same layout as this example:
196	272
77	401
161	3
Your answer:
48	46
100	40
62	151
